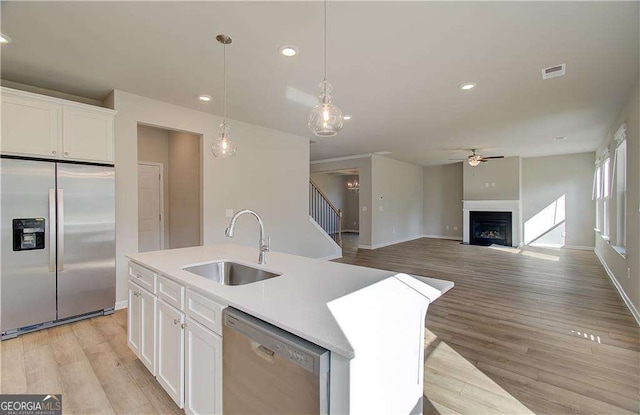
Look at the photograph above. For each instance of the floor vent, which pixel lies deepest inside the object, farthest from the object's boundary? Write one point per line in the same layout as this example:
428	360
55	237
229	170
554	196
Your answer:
554	71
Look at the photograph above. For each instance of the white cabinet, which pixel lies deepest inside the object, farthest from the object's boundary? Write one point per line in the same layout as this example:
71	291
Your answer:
30	127
87	135
134	319
41	126
170	368
203	371
141	331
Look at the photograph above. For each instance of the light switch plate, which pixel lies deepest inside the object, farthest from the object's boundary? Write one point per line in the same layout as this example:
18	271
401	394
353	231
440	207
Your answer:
380	208
229	213
364	208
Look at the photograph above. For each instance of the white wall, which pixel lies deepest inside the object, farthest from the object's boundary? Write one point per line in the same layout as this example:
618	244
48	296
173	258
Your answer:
443	200
504	173
270	174
626	272
153	145
397	201
556	200
184	187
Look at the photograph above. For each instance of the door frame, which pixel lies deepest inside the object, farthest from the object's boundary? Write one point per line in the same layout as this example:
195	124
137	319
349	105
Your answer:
161	166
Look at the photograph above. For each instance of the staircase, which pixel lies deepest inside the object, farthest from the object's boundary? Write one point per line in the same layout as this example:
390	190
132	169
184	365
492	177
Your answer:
325	213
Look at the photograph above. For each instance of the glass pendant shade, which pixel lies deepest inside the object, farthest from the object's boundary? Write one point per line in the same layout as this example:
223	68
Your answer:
325	119
223	147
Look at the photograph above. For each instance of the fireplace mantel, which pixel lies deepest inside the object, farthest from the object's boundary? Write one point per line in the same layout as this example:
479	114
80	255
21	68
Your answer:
513	206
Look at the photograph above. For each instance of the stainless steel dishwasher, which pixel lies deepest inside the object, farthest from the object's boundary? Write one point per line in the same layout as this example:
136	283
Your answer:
270	371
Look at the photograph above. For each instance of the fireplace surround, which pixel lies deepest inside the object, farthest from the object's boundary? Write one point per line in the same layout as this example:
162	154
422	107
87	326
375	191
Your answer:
512	206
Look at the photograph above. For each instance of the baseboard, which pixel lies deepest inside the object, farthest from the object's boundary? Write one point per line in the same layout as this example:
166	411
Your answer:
453	238
121	304
615	282
579	247
382	245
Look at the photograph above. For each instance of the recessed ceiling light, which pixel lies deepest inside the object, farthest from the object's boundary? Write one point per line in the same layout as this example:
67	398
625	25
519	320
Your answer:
346	117
289	50
4	38
467	86
204	98
560	138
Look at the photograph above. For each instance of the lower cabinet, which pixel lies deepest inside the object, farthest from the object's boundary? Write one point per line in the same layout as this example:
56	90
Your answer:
170	368
183	354
141	321
203	392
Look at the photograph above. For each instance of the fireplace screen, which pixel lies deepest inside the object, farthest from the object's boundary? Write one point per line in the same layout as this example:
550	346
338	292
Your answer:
488	228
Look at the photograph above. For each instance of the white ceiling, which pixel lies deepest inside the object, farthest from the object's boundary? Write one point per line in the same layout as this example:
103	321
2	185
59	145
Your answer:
395	66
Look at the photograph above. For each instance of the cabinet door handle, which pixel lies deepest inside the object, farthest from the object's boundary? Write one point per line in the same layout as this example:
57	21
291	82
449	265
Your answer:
136	293
66	153
183	325
176	321
54	152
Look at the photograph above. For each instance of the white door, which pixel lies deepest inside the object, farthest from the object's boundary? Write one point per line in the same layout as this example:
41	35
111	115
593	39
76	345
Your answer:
148	330
170	368
150	223
203	372
133	318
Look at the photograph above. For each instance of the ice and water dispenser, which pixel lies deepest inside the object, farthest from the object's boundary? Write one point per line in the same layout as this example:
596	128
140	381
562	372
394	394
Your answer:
28	234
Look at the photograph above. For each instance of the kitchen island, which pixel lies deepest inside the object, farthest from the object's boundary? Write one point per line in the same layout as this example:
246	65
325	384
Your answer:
371	321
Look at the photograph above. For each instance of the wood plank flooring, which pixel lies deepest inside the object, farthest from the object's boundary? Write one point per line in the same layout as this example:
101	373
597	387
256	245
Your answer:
89	363
531	331
534	331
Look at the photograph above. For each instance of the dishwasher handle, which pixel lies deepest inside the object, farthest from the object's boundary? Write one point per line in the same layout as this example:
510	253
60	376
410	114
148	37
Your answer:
271	339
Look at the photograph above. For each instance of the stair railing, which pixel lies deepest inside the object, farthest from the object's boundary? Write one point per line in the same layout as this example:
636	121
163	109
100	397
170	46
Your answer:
325	213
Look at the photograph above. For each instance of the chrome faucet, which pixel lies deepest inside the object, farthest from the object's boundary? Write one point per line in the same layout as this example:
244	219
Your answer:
263	243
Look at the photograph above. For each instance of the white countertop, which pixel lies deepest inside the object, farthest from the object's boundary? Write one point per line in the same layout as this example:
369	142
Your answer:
297	300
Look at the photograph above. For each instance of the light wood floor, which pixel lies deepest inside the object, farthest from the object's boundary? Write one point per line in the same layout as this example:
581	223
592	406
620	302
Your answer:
533	331
89	363
538	331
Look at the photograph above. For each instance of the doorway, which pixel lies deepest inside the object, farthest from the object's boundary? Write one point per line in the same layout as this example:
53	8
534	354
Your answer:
169	189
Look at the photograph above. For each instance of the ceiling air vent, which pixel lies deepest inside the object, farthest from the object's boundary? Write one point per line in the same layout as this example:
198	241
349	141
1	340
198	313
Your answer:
554	71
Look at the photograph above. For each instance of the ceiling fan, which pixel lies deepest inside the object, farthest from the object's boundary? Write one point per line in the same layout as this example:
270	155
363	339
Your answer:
475	159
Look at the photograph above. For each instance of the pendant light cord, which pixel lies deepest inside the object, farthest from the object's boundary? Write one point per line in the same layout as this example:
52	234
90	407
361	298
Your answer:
224	77
325	41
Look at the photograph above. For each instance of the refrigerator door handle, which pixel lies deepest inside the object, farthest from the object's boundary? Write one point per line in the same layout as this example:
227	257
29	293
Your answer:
52	230
60	230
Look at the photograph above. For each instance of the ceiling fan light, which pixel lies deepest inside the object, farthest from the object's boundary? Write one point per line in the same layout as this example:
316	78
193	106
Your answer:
474	161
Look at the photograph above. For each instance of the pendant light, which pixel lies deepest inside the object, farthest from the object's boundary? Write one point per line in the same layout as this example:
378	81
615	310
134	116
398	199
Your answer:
325	119
223	147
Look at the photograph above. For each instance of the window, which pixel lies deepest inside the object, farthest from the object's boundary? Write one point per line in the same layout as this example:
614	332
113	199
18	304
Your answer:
606	194
597	185
620	166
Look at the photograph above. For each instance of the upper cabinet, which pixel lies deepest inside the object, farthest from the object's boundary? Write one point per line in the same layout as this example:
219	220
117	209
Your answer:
40	126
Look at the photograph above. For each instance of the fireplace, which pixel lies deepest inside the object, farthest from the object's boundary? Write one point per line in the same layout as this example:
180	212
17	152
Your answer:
488	228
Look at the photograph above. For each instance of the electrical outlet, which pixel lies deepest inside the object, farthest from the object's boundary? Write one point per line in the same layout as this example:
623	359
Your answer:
380	208
493	184
486	184
447	227
364	208
229	213
455	228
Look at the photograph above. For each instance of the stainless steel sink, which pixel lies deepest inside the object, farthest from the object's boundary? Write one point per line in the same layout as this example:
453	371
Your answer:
231	273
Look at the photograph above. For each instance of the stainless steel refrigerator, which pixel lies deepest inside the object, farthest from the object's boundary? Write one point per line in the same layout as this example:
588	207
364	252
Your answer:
58	243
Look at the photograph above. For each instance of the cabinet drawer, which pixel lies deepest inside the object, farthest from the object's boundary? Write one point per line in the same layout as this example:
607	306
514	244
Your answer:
171	292
205	311
142	276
